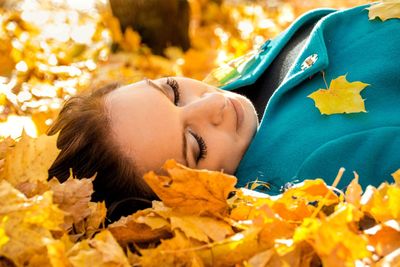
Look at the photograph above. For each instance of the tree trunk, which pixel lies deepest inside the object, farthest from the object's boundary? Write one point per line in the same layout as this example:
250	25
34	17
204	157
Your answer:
160	23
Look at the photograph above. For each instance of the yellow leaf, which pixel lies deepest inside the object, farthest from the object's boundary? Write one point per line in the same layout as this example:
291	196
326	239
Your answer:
154	221
3	236
342	96
28	224
382	203
73	197
127	229
170	253
201	228
102	251
57	253
353	192
261	259
311	190
386	9
95	220
30	159
234	249
208	189
332	241
396	177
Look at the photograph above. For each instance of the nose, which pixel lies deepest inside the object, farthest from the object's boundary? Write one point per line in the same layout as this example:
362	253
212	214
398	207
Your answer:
208	108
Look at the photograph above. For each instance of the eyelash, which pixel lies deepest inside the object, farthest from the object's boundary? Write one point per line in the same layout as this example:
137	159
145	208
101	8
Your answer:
175	87
202	145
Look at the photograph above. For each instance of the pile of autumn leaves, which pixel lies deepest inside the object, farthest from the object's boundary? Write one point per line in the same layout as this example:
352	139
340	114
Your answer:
48	223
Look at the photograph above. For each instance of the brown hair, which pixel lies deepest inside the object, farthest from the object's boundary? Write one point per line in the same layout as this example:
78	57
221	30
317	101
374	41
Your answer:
87	148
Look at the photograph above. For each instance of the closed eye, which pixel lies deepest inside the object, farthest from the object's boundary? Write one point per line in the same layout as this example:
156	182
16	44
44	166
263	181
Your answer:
202	146
173	84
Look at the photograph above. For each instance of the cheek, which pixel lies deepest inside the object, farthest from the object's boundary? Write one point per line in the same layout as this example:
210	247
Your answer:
223	153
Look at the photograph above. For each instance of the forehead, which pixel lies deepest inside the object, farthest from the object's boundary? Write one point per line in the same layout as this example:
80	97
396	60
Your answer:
145	125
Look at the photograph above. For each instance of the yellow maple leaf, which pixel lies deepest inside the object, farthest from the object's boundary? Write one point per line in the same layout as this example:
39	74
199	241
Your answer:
30	159
387	9
342	96
208	189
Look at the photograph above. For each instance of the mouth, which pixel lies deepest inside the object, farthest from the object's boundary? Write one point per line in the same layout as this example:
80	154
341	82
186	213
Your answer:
239	111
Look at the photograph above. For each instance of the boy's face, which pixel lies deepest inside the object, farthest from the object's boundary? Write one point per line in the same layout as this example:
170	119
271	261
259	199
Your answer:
207	128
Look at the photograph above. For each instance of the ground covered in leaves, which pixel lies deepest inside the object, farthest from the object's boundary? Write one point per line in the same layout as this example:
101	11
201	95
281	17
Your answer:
48	223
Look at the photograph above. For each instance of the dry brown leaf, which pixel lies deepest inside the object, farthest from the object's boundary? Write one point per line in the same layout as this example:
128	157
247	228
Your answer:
31	189
73	197
208	190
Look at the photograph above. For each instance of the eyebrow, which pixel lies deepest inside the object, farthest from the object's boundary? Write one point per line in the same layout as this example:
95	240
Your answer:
184	140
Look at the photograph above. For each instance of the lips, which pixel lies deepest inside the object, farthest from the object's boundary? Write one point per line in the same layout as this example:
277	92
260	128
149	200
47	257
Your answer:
239	112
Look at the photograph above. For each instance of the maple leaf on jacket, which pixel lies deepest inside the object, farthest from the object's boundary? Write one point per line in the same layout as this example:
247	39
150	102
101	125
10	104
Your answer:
342	96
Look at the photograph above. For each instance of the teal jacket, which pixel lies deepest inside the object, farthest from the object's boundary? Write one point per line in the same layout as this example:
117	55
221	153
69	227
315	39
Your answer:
294	140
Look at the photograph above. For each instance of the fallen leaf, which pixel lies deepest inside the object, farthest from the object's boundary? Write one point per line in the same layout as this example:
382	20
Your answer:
261	259
384	237
311	190
233	249
95	220
382	203
73	197
126	230
30	159
208	189
341	97
170	253
392	259
27	223
102	250
201	228
354	192
396	177
386	9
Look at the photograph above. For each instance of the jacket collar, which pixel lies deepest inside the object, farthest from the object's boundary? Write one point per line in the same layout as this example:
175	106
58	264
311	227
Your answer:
269	51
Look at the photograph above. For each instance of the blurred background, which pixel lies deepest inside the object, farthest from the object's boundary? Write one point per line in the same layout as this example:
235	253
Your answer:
52	49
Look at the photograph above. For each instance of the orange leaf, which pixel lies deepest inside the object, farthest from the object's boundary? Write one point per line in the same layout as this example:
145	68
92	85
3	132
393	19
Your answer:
192	191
